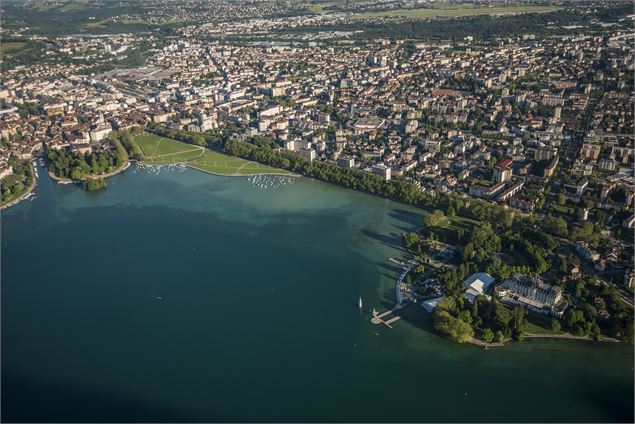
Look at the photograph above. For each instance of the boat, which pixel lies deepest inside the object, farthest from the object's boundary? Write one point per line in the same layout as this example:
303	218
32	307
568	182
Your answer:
374	312
360	302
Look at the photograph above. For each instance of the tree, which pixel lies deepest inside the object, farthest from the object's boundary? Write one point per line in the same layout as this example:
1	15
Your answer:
586	232
468	252
505	218
434	219
443	320
562	199
461	331
488	335
555	226
518	318
499	337
555	324
410	239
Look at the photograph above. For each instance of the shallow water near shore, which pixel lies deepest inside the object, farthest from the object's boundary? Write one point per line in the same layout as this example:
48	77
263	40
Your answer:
183	296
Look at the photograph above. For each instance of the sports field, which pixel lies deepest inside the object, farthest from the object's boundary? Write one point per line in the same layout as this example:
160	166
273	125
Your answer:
160	151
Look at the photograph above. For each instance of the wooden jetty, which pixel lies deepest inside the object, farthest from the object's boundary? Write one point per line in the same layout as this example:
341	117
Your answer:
378	319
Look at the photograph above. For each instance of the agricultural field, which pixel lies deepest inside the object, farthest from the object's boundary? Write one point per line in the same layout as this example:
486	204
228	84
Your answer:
161	151
445	11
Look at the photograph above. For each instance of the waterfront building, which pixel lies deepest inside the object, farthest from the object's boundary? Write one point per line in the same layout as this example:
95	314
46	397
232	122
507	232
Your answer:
346	162
532	293
382	170
477	284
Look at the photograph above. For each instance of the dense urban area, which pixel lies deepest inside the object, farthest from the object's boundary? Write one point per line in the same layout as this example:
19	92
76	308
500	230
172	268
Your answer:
509	124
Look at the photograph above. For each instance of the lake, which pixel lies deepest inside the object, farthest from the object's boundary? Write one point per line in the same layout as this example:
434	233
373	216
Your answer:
183	296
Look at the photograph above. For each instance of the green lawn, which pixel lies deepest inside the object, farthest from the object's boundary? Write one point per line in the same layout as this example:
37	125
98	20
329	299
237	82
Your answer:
160	151
320	7
448	230
256	168
455	11
535	323
539	324
153	145
11	46
563	209
179	157
218	163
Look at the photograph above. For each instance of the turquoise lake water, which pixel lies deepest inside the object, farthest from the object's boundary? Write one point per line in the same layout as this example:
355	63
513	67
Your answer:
184	296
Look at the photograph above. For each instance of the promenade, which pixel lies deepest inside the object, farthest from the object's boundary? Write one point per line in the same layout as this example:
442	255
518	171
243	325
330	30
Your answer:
378	319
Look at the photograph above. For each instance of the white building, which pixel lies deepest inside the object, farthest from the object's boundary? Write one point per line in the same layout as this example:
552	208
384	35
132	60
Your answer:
100	132
477	284
383	170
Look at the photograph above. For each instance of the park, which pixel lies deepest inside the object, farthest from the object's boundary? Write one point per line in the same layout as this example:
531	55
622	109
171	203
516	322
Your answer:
162	151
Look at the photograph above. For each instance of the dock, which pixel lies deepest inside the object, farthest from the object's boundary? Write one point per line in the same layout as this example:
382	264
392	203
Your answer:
379	318
396	261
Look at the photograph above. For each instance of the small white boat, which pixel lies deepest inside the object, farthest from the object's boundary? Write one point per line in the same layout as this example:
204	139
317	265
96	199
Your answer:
374	312
360	302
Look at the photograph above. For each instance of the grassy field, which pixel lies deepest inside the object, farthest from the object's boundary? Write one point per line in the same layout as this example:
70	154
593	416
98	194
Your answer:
160	151
539	324
563	209
319	7
218	163
179	157
448	230
446	11
153	145
11	46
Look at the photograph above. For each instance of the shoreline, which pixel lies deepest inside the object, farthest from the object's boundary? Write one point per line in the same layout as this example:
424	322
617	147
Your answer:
108	174
24	195
62	180
290	174
570	336
563	336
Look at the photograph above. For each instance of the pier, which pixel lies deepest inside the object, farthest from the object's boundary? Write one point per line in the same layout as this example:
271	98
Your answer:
396	261
378	319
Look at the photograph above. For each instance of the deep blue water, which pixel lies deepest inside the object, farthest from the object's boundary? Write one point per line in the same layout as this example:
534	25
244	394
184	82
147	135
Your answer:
191	297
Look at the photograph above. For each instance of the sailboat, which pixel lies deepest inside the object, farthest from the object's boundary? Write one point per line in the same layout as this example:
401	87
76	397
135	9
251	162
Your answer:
360	302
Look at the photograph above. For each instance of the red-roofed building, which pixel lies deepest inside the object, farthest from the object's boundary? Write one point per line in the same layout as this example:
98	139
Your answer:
504	163
503	170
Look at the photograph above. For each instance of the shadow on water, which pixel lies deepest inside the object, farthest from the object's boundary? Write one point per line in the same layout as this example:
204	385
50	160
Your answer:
27	400
392	240
411	218
388	266
607	401
416	316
